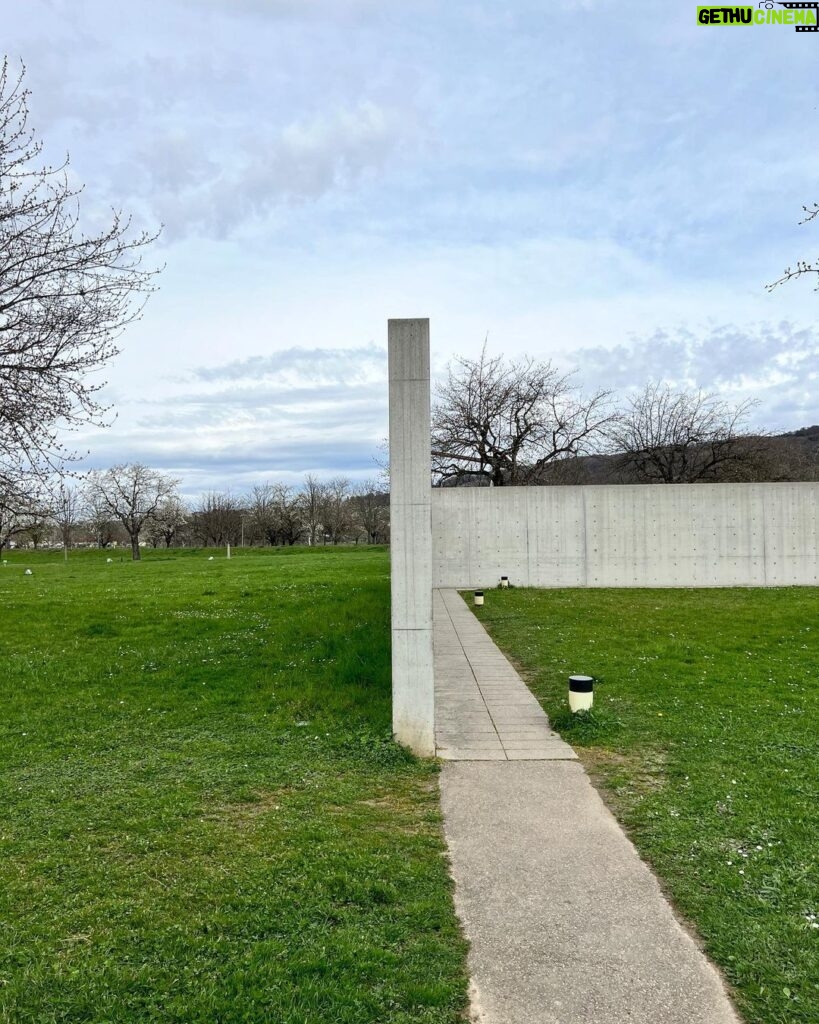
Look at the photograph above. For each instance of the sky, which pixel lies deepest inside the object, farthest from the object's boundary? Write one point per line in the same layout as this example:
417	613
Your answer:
607	185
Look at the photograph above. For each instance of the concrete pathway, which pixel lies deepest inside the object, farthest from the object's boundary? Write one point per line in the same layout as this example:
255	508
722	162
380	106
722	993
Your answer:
567	925
483	709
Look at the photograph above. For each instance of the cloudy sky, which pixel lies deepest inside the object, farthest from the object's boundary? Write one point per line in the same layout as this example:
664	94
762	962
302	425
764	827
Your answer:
605	184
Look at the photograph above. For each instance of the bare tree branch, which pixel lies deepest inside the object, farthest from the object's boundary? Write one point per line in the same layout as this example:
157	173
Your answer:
65	297
802	267
505	422
666	436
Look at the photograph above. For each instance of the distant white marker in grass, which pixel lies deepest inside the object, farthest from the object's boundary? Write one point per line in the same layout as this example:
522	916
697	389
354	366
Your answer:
28	572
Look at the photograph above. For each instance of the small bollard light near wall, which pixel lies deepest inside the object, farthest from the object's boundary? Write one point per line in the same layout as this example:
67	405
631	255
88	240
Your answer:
478	598
581	693
504	582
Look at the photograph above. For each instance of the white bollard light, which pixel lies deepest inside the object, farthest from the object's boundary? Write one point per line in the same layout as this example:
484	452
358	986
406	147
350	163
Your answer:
504	582
581	693
228	550
478	598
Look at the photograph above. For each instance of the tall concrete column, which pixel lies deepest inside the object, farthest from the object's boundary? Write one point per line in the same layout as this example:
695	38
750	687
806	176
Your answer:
413	694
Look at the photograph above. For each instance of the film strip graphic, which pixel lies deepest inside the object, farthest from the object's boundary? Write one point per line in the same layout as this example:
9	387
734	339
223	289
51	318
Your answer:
798	6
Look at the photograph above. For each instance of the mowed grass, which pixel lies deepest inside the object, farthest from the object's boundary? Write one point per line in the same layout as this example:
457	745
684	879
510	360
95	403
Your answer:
202	815
705	741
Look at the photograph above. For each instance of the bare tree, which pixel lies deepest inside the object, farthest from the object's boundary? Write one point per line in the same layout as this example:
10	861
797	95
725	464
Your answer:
666	436
218	519
371	511
10	526
289	522
25	512
37	524
65	296
262	513
132	494
170	518
67	505
312	500
99	519
276	513
12	517
802	268
505	422
336	513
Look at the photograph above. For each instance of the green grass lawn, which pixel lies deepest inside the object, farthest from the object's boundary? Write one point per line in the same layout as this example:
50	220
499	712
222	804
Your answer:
202	815
705	741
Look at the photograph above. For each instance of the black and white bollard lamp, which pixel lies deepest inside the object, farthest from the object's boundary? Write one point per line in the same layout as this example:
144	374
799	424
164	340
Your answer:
504	582
581	693
478	598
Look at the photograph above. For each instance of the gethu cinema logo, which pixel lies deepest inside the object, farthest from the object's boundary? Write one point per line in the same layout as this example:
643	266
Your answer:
800	15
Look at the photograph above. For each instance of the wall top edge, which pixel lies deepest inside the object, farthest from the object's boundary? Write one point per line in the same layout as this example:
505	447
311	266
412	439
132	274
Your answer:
781	485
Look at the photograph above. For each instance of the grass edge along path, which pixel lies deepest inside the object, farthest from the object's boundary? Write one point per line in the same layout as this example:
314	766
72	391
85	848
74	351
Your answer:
704	740
203	817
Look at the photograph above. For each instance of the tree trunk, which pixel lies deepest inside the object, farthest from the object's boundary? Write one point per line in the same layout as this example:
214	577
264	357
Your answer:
135	547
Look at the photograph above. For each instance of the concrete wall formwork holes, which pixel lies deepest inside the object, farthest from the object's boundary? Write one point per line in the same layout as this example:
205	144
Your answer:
643	535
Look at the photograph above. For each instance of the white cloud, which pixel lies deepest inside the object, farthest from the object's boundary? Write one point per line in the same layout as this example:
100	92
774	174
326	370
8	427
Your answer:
774	364
221	181
300	410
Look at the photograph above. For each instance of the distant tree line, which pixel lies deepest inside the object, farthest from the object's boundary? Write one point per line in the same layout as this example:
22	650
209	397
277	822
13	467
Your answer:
133	506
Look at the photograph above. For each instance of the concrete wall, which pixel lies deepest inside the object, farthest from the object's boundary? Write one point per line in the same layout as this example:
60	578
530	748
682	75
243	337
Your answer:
686	535
413	689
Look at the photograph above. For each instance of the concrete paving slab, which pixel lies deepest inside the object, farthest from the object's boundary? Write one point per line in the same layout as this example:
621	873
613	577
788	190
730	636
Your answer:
527	729
567	925
481	728
479	696
531	744
468	754
528	738
542	752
